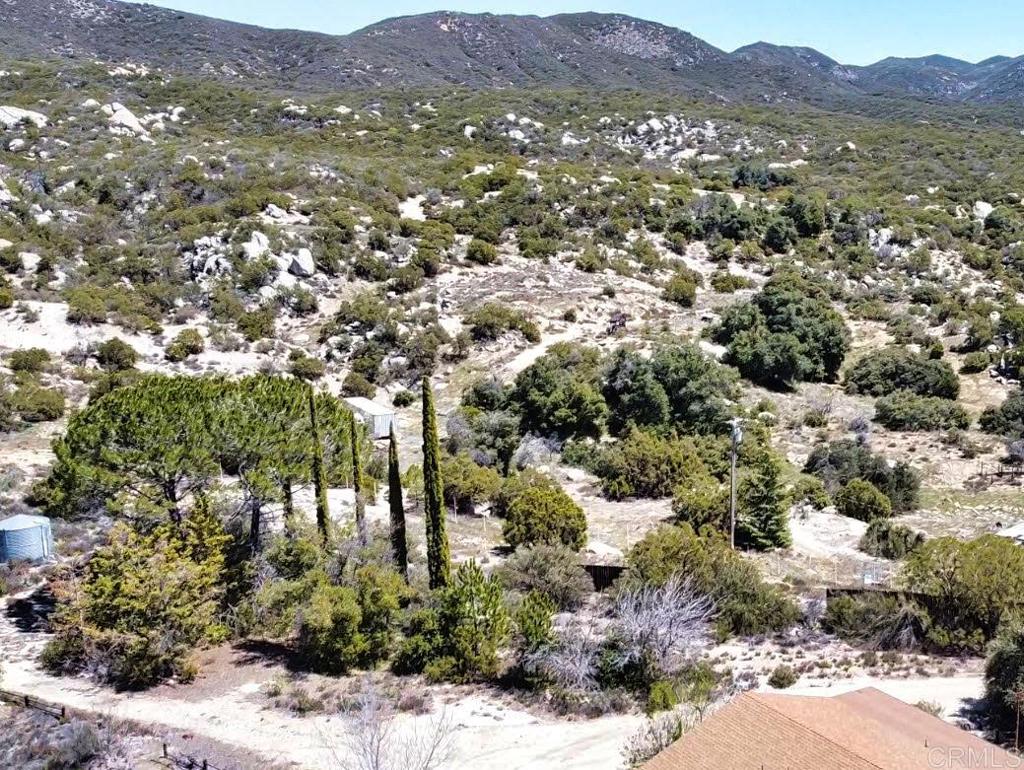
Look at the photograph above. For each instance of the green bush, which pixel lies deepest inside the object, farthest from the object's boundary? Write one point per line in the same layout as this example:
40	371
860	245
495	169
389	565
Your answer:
85	308
783	677
840	462
681	289
356	384
492	319
661	697
703	502
34	403
554	571
31	360
1004	673
906	411
6	297
116	355
545	516
188	342
746	604
879	620
558	394
788	333
862	500
306	367
893	369
649	466
973	586
888	540
975	362
129	621
481	252
1007	419
403	398
458	640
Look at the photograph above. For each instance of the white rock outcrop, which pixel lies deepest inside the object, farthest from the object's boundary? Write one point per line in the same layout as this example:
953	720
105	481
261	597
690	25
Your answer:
12	116
302	263
257	246
122	120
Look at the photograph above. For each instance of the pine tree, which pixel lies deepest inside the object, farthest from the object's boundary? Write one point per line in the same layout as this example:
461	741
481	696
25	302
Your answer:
323	514
399	546
438	557
762	522
357	480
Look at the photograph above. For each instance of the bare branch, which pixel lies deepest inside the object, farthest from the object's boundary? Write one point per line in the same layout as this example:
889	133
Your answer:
661	625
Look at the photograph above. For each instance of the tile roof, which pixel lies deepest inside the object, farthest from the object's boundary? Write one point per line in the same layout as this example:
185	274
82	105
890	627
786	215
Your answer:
861	730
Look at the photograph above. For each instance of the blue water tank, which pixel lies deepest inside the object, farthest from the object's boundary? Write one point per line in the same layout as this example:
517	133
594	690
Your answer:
25	538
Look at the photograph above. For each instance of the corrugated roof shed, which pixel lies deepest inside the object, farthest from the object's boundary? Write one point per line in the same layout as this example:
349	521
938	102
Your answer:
862	730
23	521
368	407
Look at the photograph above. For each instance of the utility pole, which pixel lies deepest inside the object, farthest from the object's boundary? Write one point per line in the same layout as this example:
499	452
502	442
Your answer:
737	437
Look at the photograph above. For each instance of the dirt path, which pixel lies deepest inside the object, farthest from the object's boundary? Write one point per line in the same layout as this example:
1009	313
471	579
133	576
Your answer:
230	710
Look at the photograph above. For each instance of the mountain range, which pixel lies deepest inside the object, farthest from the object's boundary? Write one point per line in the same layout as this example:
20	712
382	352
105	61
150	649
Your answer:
582	50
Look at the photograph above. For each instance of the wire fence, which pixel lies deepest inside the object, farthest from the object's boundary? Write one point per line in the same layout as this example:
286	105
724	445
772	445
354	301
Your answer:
36	704
171	758
186	761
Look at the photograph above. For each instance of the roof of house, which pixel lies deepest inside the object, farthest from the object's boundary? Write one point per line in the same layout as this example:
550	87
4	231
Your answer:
23	521
366	406
861	730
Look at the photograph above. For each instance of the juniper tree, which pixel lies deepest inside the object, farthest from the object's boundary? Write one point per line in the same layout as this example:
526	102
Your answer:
762	523
438	557
399	546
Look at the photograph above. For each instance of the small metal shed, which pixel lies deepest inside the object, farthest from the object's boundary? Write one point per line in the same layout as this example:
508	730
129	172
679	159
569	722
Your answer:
377	417
27	538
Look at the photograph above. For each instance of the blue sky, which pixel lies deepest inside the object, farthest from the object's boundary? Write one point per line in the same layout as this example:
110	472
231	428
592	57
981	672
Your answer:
852	31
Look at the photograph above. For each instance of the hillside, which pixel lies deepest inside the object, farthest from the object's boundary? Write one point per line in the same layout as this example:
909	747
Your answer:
591	50
565	283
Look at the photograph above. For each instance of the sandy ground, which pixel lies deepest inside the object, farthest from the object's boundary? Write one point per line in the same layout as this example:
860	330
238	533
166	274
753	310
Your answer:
232	711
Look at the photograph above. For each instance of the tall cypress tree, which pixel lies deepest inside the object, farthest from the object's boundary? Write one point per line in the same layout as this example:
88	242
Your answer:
438	556
399	546
357	481
319	473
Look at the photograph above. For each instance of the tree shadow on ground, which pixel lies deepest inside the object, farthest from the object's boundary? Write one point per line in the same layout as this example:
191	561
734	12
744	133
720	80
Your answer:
267	653
31	614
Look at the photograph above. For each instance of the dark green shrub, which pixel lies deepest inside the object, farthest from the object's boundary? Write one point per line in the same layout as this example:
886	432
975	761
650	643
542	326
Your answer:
1007	419
862	500
783	677
34	403
116	355
188	342
787	333
975	362
544	516
31	360
888	540
492	319
906	411
840	462
746	604
681	289
356	384
554	571
892	369
403	398
307	368
645	465
481	252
